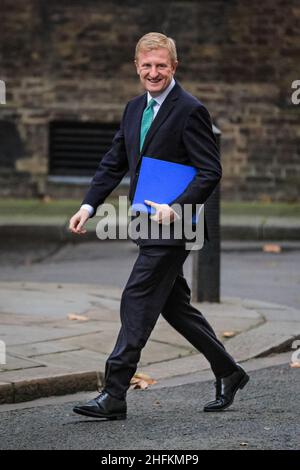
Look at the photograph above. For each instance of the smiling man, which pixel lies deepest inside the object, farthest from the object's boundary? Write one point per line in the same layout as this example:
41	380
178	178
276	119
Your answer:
156	69
166	123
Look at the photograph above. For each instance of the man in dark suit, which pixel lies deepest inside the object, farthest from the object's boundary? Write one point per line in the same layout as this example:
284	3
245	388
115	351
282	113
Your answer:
166	123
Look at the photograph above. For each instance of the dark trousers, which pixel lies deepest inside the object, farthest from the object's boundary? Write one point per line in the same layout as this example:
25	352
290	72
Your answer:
157	285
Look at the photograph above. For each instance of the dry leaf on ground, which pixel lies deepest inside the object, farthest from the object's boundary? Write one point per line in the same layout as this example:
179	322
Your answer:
295	365
228	334
142	381
74	316
271	248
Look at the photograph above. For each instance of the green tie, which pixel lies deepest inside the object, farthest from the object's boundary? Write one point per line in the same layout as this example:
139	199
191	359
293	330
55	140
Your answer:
146	121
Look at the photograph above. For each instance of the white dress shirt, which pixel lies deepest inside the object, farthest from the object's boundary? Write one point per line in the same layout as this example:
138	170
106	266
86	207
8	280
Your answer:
160	98
159	101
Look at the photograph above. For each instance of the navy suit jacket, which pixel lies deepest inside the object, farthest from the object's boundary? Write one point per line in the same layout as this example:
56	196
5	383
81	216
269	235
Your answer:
181	132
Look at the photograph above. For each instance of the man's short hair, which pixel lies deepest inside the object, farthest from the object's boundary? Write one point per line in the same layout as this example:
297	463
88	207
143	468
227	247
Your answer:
152	41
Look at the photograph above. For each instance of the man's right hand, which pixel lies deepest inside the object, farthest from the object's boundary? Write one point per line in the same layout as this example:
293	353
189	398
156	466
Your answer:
78	220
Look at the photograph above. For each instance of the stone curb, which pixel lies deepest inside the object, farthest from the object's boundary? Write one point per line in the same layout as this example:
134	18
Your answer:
60	384
60	233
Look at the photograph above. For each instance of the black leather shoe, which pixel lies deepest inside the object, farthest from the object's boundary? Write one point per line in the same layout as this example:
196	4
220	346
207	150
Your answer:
226	388
103	406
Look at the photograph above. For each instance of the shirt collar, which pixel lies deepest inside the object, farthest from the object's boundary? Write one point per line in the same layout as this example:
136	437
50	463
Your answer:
161	98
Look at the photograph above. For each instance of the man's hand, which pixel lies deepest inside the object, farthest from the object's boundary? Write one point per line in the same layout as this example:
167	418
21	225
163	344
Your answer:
164	213
78	220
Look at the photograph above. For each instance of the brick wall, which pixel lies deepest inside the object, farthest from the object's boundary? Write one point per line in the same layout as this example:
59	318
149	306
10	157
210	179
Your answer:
72	60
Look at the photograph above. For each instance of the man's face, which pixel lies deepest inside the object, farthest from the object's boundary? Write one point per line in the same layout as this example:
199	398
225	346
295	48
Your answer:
155	69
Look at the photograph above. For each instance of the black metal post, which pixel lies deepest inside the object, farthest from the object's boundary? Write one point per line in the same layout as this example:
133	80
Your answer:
206	262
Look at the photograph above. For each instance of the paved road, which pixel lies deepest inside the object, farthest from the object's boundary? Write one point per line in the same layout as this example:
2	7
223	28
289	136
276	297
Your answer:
265	415
247	274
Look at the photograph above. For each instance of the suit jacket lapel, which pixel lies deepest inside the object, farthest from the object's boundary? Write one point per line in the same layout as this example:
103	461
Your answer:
161	116
136	130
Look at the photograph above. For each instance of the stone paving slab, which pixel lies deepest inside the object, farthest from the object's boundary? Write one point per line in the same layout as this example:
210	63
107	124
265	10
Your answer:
265	339
82	359
11	318
258	305
33	373
164	332
41	348
193	363
17	363
233	307
17	335
105	340
161	352
280	315
57	300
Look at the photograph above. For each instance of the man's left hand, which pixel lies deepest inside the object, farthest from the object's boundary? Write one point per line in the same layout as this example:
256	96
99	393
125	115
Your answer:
164	213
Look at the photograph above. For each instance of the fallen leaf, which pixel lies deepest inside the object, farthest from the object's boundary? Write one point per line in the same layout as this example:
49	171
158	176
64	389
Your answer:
142	384
145	377
140	380
74	316
271	248
295	365
228	334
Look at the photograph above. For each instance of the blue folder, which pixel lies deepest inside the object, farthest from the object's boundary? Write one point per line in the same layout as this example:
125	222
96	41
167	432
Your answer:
161	181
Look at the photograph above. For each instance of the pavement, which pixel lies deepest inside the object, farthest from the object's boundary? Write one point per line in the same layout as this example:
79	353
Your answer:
58	337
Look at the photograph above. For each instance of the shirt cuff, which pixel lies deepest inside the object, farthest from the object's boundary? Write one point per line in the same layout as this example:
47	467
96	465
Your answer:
88	208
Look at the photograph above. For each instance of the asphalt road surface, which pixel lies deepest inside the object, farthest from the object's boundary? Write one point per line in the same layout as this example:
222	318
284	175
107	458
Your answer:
244	273
265	415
